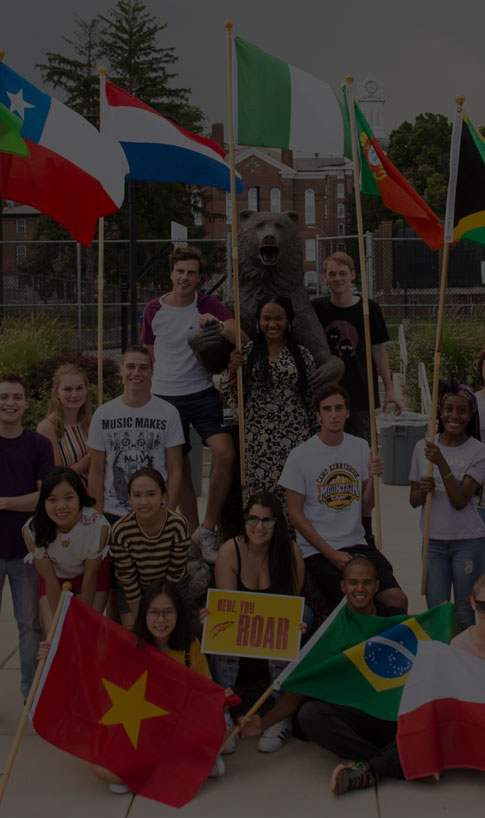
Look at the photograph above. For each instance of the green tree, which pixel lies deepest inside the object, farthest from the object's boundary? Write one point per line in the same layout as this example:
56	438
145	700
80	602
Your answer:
136	63
78	76
421	151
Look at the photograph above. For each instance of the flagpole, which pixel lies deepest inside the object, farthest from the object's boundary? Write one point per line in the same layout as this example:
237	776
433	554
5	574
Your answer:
66	587
235	260
365	304
102	93
454	154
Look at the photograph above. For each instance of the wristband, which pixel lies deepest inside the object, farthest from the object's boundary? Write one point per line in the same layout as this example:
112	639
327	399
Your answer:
447	476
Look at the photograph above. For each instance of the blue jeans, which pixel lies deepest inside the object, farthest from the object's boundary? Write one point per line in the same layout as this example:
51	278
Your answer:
225	670
458	563
24	586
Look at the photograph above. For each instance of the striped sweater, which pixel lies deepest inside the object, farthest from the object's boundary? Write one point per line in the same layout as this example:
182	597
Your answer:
140	560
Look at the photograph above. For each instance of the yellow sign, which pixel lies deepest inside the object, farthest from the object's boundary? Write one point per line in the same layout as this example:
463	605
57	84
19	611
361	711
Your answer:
264	626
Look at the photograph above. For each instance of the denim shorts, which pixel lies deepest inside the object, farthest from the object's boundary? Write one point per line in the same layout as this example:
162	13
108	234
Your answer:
201	409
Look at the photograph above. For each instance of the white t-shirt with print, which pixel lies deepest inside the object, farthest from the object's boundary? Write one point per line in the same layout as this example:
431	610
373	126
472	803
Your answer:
330	478
132	437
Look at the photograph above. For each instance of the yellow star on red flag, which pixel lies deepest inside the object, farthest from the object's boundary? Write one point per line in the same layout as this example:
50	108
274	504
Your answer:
130	707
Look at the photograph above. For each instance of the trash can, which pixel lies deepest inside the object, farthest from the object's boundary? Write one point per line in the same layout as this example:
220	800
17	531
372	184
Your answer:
196	456
398	437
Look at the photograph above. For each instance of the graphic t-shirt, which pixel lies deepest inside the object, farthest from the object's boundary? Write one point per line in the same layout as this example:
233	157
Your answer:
133	437
330	478
446	521
177	371
344	328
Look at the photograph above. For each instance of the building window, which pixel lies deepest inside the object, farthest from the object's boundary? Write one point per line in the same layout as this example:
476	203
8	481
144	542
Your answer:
340	211
196	207
310	250
21	254
311	282
341	229
275	199
309	206
340	174
340	248
340	190
253	199
21	226
228	209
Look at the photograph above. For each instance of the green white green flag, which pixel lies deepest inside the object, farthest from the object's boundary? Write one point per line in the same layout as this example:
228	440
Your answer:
280	106
364	661
10	139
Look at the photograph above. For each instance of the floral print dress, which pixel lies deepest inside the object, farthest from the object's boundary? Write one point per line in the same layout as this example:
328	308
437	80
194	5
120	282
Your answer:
276	419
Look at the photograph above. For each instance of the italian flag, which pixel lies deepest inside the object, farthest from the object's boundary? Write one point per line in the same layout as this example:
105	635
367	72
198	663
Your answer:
441	720
280	106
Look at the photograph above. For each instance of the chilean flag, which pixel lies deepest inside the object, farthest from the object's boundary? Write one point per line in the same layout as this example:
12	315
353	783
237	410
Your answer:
73	174
158	149
441	721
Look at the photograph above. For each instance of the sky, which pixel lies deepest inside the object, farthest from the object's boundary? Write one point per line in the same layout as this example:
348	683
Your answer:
426	52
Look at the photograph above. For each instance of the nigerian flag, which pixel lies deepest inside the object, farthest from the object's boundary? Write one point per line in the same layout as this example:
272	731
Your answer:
364	661
280	106
10	139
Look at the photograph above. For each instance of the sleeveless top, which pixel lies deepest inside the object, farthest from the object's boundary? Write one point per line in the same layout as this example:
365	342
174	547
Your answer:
240	585
73	446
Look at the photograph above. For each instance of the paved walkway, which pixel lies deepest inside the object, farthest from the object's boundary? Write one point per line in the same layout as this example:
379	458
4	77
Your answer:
47	783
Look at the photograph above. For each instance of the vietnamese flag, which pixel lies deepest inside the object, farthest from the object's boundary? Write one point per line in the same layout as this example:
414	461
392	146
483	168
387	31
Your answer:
151	720
441	720
381	178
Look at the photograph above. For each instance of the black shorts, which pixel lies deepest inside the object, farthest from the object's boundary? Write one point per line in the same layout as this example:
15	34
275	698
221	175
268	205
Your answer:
201	409
328	577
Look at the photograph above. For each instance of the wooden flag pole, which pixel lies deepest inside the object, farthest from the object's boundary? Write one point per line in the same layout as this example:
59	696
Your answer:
439	336
237	728
235	258
30	698
102	93
365	304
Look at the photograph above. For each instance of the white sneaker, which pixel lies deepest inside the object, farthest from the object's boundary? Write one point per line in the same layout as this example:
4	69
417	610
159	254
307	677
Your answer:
218	768
231	747
207	541
274	737
119	788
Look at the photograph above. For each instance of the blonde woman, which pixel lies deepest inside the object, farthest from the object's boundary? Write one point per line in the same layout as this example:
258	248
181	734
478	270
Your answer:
68	418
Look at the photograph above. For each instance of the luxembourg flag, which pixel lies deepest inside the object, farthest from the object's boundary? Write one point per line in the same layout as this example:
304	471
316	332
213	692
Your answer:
158	149
73	173
441	721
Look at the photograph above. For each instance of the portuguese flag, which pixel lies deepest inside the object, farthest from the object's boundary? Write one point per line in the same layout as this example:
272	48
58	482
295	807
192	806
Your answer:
465	206
381	178
280	106
364	661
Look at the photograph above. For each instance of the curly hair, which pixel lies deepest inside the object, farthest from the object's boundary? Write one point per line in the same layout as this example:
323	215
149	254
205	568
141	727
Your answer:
257	368
54	410
455	388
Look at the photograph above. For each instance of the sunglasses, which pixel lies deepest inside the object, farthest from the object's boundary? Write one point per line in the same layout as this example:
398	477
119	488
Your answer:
266	522
480	605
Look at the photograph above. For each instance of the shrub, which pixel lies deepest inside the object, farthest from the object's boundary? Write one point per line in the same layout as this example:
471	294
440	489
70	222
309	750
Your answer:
461	347
31	339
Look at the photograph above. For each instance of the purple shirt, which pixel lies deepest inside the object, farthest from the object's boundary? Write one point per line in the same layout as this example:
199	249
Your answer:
24	460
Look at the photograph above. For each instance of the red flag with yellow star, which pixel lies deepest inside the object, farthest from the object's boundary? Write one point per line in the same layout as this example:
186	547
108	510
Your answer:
155	723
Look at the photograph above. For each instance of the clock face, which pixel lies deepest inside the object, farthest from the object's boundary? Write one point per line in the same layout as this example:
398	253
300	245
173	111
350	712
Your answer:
371	87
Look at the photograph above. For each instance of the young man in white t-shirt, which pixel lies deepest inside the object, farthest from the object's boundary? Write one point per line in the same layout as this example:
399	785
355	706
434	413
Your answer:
132	432
329	488
181	379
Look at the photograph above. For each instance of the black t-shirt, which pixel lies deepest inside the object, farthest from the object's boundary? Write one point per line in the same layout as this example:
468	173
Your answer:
386	610
344	328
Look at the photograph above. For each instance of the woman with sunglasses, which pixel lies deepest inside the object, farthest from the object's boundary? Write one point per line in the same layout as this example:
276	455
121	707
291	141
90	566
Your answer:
457	533
263	558
473	639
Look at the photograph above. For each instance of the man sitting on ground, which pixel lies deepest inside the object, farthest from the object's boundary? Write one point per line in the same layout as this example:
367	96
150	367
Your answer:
345	731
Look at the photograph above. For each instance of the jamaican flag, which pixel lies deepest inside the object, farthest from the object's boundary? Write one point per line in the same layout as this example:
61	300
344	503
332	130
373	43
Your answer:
363	661
465	207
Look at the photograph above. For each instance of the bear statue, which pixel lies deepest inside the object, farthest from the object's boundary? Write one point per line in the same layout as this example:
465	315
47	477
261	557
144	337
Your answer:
271	263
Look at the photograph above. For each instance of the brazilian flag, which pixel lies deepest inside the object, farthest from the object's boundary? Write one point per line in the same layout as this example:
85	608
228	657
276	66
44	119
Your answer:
469	210
364	661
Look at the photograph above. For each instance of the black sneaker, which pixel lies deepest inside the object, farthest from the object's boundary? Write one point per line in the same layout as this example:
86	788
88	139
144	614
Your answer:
358	777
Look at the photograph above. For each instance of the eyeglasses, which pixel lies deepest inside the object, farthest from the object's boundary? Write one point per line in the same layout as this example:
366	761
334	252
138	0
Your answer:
480	605
155	614
266	522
